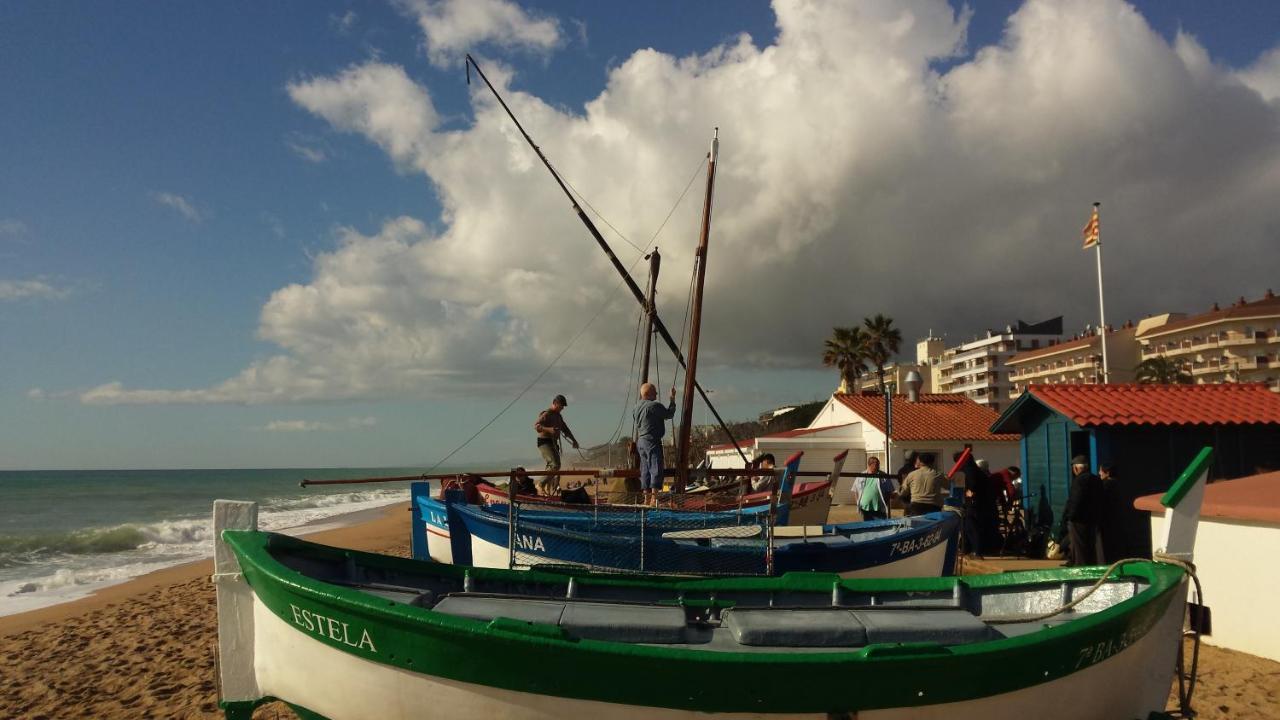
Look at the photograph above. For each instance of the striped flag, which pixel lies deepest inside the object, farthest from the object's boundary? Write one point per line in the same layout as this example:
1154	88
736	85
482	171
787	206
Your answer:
1091	230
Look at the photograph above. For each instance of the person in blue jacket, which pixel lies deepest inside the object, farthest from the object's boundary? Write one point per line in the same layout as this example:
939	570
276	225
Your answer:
651	419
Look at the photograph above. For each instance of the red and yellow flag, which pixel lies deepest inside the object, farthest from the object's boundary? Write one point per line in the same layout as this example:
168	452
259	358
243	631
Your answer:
1091	230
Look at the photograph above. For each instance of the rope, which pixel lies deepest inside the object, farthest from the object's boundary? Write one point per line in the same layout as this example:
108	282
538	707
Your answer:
609	301
1186	681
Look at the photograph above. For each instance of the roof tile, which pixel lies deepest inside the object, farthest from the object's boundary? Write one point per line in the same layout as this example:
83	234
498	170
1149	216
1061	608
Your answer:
936	416
1132	404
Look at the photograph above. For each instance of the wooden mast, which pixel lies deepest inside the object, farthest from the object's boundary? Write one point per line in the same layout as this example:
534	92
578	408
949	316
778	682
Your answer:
695	324
658	325
651	309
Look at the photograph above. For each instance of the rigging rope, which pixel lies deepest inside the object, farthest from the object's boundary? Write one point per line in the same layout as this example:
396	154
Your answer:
609	301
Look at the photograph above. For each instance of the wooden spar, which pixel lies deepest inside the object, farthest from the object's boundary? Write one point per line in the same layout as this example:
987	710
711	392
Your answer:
695	323
651	307
608	251
600	472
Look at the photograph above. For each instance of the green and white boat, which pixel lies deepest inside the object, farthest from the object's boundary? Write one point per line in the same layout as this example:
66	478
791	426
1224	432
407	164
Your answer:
347	635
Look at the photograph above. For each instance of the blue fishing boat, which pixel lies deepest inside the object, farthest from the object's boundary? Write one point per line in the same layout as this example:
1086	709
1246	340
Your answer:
682	543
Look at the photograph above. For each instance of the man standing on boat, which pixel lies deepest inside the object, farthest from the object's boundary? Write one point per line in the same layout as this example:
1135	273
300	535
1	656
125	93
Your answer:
651	424
549	426
1083	512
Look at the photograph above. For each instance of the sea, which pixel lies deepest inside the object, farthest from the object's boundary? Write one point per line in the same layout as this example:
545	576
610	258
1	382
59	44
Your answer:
67	533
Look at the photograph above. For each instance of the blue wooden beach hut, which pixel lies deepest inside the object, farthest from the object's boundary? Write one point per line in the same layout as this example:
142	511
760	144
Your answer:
1149	432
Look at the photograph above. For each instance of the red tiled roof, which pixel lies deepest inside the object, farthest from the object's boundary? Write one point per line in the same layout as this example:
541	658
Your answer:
1254	498
798	432
937	416
1266	307
1230	404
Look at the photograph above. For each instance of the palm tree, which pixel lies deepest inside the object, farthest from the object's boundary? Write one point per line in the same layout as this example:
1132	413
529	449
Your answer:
846	351
882	340
1162	371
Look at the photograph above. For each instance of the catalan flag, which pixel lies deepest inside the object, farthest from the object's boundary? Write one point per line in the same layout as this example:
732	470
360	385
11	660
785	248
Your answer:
1091	230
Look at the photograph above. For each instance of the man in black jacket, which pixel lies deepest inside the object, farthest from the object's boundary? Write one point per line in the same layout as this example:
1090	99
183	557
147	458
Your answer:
1083	512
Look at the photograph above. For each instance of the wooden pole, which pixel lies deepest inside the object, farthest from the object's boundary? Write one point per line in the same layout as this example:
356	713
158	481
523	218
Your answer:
604	246
651	309
691	368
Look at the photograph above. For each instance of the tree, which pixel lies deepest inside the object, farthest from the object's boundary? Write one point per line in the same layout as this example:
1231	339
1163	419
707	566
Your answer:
846	351
882	341
1162	371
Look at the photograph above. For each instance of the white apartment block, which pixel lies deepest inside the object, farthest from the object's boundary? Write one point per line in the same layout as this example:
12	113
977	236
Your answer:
1238	344
1077	361
979	369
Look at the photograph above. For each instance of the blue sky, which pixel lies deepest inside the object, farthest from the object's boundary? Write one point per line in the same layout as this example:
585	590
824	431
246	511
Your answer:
169	169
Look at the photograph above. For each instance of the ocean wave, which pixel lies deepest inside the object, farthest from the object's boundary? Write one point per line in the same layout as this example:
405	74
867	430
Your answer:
180	536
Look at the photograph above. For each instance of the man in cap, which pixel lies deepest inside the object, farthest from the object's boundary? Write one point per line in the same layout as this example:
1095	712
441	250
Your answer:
1083	513
549	425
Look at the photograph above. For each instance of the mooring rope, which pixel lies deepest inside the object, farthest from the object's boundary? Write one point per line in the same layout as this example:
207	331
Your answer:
1186	681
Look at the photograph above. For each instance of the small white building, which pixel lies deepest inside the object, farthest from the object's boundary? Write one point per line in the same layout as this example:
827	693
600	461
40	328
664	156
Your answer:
820	446
941	424
1236	545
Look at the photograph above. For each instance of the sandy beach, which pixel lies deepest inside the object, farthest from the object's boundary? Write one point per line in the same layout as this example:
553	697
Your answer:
145	649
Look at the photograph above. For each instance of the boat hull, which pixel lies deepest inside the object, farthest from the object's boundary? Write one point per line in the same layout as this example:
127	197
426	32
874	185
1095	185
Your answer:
1122	672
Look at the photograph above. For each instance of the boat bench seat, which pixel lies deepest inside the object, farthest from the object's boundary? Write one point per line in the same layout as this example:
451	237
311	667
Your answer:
853	628
795	628
946	627
583	620
624	623
488	608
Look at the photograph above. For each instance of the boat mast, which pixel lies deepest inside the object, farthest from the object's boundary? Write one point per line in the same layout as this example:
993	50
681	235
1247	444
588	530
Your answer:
695	323
608	251
651	308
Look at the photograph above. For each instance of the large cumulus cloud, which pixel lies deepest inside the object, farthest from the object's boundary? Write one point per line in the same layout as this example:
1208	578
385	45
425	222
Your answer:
857	177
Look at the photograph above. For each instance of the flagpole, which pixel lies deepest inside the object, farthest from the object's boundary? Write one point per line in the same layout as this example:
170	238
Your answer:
1102	313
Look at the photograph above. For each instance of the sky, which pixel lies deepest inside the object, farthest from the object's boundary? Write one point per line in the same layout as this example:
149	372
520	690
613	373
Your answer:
292	235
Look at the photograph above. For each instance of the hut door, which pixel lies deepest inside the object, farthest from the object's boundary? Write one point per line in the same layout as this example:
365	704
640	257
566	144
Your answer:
1080	445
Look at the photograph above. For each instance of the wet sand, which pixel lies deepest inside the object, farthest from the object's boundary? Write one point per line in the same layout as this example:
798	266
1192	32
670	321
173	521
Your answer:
146	648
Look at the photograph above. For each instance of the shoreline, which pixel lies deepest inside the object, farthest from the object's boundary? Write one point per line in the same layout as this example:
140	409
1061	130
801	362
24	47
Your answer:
147	647
358	530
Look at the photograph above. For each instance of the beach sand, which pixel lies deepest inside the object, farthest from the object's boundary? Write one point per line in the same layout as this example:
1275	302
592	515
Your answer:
145	649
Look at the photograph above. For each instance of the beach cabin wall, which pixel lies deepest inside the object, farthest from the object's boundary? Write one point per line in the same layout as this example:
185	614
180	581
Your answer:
1048	440
1147	457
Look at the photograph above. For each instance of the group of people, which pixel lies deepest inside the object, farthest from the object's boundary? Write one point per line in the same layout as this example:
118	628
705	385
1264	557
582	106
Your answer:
1100	524
922	488
650	418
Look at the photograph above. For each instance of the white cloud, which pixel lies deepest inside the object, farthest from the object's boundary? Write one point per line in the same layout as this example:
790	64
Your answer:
296	426
183	205
1264	75
343	23
12	228
355	423
855	178
36	393
451	28
308	149
35	289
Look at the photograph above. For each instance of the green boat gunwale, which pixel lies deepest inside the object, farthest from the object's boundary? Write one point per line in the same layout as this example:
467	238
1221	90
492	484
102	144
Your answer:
511	667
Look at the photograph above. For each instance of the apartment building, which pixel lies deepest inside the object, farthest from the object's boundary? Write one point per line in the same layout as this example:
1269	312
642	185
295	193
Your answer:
1236	344
895	377
1077	361
979	369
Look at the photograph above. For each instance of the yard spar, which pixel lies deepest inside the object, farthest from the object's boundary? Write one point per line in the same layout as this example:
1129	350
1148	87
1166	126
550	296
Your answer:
658	325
